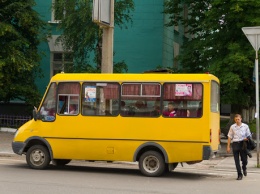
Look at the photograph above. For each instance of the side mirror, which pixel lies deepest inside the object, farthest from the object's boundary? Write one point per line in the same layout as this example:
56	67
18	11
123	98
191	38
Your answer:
35	114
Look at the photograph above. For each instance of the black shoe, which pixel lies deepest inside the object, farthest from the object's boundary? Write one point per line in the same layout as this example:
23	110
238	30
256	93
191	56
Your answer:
244	172
240	177
250	155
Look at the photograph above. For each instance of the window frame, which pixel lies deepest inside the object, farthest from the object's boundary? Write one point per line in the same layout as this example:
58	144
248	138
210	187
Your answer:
94	108
46	117
61	65
68	95
68	104
133	110
141	89
182	100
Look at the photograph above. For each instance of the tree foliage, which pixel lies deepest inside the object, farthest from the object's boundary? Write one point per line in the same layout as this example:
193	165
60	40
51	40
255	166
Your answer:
216	43
20	27
82	36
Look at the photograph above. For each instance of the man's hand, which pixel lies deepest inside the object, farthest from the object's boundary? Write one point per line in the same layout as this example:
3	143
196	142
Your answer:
228	149
228	145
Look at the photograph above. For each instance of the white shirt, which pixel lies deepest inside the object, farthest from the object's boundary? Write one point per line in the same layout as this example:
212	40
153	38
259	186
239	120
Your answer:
239	133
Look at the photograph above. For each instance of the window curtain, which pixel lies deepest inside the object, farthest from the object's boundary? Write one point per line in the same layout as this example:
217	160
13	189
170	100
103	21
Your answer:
111	91
151	89
131	89
68	88
169	92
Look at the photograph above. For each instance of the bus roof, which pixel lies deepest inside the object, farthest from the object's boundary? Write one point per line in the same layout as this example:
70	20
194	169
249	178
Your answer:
151	77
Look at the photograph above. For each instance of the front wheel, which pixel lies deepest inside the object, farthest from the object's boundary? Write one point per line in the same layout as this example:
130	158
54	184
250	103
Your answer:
38	157
151	163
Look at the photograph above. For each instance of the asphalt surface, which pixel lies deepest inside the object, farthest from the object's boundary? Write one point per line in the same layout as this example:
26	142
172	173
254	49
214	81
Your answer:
221	161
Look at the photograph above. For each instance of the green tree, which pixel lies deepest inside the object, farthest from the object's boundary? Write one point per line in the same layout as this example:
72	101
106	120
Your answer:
20	27
217	44
82	36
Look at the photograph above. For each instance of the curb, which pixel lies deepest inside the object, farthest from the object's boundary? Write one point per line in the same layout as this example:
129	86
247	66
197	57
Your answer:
10	130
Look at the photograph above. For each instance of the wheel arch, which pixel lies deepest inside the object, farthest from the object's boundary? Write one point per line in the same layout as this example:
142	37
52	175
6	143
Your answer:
35	140
150	146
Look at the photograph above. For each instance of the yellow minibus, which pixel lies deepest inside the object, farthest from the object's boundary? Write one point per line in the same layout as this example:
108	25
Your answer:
156	119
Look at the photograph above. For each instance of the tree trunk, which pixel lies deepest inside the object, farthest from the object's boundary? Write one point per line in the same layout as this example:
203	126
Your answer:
248	115
245	115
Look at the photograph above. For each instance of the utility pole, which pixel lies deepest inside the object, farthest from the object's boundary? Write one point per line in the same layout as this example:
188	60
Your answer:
108	44
103	15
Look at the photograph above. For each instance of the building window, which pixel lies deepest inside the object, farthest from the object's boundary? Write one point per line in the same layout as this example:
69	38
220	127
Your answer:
176	52
62	62
58	11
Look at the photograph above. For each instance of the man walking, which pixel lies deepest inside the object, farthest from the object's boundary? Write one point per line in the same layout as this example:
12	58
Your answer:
239	132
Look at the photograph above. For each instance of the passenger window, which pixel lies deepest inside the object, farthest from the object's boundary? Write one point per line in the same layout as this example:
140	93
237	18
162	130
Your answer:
100	99
68	98
140	100
68	104
186	98
215	97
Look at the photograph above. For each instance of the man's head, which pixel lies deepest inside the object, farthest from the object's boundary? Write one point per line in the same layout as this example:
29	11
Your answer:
238	118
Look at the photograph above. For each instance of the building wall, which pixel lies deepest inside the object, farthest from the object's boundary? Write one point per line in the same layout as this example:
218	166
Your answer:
168	45
146	44
44	10
140	46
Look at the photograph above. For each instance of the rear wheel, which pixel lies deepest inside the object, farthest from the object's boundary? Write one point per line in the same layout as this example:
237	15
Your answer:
151	163
60	162
38	157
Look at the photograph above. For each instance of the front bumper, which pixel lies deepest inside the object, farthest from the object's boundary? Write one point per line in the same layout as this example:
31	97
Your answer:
18	147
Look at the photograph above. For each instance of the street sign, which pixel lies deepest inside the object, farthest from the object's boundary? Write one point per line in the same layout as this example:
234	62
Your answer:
101	13
253	35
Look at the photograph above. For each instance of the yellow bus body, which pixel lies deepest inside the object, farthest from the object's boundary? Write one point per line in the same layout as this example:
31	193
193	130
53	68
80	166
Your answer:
117	138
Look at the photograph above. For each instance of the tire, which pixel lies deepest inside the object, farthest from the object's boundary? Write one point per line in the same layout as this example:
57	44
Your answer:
60	162
38	157
151	163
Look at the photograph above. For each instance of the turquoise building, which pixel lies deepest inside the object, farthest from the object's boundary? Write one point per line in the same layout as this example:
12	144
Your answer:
145	45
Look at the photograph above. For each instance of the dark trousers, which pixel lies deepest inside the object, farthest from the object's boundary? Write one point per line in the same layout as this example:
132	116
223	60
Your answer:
240	151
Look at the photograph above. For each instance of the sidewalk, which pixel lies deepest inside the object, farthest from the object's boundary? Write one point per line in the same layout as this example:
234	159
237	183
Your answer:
6	138
225	162
9	130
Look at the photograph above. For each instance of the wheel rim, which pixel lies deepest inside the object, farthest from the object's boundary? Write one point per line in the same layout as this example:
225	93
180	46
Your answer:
151	164
37	157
